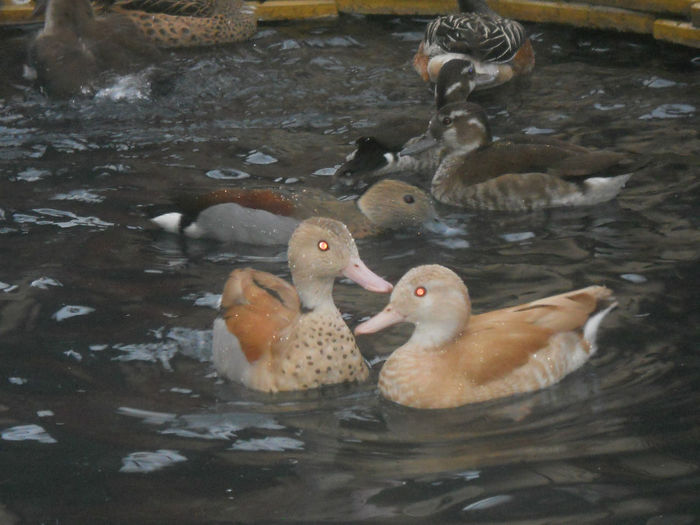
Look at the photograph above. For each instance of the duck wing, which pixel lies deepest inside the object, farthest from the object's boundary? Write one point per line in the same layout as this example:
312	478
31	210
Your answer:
559	313
257	308
197	8
495	348
602	163
510	156
485	37
503	340
258	199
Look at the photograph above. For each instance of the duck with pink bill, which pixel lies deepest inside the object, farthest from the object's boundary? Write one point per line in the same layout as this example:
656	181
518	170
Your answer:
273	336
454	358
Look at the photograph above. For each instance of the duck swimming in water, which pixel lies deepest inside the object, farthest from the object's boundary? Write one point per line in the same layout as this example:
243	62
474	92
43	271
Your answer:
75	47
273	336
188	23
268	217
498	47
518	174
454	358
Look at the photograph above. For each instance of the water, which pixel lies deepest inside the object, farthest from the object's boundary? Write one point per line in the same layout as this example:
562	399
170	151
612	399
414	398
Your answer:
109	409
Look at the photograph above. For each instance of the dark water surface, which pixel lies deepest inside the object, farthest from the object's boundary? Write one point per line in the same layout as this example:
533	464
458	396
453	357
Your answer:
109	408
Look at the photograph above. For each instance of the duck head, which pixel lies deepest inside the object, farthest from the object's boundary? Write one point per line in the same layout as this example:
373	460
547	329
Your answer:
393	204
431	297
456	78
459	127
320	250
370	155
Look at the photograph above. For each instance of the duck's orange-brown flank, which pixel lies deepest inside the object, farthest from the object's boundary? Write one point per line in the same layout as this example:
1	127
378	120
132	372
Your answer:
273	336
454	358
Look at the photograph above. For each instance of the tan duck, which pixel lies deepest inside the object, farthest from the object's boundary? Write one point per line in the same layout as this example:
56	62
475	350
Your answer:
273	337
518	174
454	358
75	46
188	23
498	47
269	216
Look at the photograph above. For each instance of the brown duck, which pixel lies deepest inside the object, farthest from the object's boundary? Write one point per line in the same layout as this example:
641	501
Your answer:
187	23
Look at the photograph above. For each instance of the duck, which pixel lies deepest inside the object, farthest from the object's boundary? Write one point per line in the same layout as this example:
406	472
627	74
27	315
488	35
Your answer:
267	216
272	336
187	23
75	46
455	358
498	46
518	174
377	155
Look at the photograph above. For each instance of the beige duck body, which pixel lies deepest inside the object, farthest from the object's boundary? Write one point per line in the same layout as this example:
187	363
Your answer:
273	336
189	23
454	358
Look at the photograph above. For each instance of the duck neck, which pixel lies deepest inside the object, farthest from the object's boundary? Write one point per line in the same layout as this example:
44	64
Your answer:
436	333
72	15
476	6
315	293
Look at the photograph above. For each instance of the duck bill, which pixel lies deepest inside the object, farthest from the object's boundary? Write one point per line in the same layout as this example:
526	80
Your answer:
383	319
424	143
357	271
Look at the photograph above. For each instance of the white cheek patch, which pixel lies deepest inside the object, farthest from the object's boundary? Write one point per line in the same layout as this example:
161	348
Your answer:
452	88
390	159
351	155
476	123
458	113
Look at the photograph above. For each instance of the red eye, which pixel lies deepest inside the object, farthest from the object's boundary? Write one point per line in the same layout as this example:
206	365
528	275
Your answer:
447	121
420	291
323	246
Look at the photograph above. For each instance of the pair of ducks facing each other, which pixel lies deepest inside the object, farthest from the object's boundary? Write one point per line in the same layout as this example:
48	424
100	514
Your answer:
272	336
76	45
514	174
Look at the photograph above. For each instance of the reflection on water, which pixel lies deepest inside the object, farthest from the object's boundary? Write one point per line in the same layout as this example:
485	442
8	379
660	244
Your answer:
110	410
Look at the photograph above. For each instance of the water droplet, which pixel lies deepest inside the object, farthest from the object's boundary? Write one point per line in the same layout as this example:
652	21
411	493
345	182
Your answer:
227	173
27	433
258	157
71	311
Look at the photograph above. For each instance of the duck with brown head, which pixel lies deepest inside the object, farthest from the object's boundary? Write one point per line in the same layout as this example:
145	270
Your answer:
519	173
269	216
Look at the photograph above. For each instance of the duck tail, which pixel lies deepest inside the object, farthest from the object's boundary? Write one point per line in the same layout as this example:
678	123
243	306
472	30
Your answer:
590	329
603	189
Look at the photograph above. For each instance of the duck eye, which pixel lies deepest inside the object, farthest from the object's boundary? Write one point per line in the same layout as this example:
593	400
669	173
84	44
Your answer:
366	140
447	121
408	199
420	291
323	246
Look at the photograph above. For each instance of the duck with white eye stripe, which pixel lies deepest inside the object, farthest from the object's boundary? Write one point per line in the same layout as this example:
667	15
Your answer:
519	174
454	358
